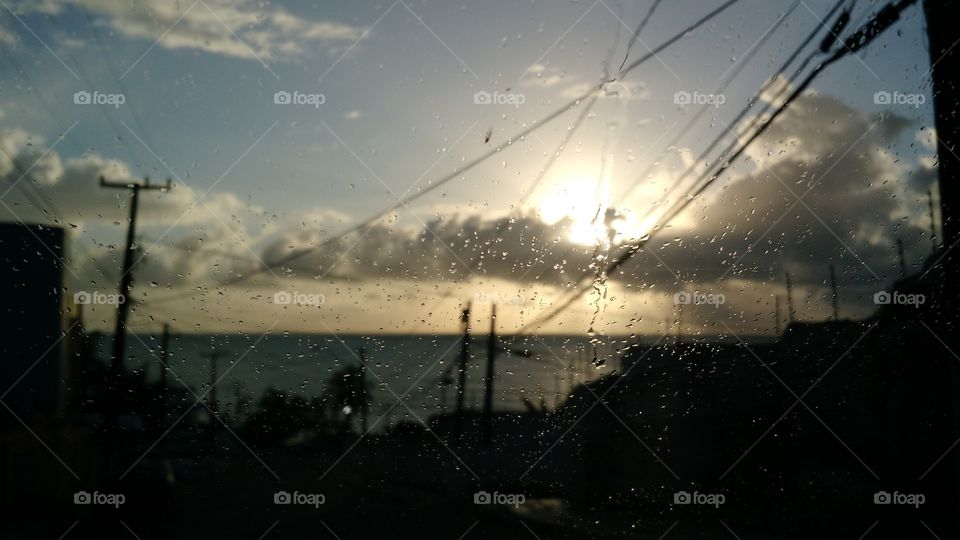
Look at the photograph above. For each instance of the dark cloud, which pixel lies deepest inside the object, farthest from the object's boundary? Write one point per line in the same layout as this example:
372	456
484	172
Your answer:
857	199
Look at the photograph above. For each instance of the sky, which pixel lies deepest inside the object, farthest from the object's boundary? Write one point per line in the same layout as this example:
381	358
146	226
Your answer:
284	124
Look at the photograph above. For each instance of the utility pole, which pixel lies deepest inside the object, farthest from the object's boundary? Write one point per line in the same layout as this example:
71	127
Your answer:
213	356
835	293
679	323
464	359
164	358
776	313
933	223
791	314
491	371
556	389
126	283
903	259
365	403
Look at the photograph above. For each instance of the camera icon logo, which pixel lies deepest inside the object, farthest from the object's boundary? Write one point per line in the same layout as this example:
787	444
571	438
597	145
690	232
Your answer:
282	497
282	298
882	497
81	297
682	497
883	98
683	298
482	497
882	298
281	98
483	98
82	497
81	97
683	98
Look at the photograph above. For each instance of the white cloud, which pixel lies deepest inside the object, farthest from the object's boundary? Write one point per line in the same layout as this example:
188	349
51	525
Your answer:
7	37
239	28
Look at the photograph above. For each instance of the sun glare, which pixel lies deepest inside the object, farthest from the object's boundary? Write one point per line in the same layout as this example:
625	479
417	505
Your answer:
577	201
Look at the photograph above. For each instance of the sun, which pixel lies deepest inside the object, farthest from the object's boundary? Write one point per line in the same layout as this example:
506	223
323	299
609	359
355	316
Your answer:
577	201
585	207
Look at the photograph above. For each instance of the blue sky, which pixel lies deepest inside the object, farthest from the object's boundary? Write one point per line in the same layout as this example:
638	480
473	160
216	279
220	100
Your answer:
398	82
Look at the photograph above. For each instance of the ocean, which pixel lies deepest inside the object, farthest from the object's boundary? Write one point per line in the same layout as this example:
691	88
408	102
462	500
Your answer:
415	366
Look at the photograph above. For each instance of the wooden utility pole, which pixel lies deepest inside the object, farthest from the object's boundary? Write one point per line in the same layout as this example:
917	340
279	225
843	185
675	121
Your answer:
464	360
213	356
776	313
791	314
126	283
835	293
556	389
164	358
903	259
491	371
679	324
364	403
212	407
933	223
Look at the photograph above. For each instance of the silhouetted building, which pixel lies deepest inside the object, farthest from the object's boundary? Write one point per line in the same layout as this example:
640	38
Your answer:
32	355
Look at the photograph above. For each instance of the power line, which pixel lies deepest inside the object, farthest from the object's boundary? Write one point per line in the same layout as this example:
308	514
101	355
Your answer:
636	33
403	201
113	73
522	135
746	110
28	186
576	294
721	89
32	184
551	160
110	122
862	37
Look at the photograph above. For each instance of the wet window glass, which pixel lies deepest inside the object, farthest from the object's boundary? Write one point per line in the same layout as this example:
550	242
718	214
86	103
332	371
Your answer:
424	269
